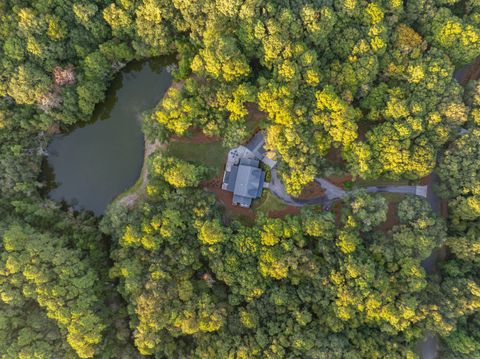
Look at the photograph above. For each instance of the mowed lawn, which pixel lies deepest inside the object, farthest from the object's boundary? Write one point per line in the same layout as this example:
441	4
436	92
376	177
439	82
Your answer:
269	202
212	154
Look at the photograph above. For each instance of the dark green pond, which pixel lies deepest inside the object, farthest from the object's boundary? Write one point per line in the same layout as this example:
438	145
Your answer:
93	164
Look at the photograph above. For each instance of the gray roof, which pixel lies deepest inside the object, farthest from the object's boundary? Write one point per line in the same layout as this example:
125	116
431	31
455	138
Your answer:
269	162
248	181
245	181
256	144
242	201
230	178
249	162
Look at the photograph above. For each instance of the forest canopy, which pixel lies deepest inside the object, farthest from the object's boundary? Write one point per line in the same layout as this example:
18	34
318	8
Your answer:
352	88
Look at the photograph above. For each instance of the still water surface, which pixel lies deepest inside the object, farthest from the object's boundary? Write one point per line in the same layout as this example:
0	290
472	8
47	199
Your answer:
92	164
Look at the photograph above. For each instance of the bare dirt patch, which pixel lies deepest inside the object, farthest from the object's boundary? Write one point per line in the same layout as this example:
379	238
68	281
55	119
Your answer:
340	180
311	190
195	135
426	181
334	156
254	113
211	184
254	118
392	218
287	211
53	129
225	198
472	73
337	210
364	127
444	208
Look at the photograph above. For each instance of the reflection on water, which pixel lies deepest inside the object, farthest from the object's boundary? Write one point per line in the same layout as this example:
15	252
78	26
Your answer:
94	163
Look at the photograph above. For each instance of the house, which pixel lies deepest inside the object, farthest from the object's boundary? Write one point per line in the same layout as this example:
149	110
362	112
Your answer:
255	145
245	180
242	176
257	150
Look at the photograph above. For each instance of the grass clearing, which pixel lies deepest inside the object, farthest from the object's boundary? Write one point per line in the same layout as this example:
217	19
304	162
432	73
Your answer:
269	202
248	221
211	154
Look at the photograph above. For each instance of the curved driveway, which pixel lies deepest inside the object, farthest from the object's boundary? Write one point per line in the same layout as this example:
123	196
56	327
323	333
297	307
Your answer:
278	189
334	193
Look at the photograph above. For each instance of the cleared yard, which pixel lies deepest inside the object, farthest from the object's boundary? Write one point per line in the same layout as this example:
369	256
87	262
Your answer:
211	154
268	203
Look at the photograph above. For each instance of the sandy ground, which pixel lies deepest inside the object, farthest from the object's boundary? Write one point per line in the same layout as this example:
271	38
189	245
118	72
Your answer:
130	199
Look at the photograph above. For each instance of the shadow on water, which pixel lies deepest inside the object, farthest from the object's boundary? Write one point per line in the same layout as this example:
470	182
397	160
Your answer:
47	178
92	163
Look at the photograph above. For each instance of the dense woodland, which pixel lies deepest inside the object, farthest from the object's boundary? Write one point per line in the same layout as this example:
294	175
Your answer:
369	83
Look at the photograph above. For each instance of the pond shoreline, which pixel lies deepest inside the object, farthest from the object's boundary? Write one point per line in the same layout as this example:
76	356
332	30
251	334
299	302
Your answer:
90	163
133	194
